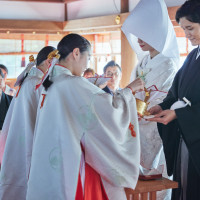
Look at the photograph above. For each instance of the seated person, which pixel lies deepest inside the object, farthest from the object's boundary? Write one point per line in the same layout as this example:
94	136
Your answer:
88	73
112	69
6	89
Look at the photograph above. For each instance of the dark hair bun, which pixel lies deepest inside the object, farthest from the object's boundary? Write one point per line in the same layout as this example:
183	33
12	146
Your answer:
43	54
70	42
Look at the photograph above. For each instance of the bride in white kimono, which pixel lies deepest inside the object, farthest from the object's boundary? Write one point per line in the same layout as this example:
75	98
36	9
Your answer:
151	34
80	126
17	133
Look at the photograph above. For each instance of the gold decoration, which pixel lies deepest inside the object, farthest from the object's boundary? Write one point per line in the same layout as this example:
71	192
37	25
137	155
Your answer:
117	19
31	58
54	54
142	105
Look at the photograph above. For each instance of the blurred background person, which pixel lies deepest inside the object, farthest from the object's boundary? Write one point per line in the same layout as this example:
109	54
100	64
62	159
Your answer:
7	90
112	69
4	102
88	73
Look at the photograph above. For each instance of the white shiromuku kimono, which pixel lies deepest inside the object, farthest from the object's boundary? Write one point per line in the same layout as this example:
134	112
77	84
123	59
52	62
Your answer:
76	113
157	31
17	138
159	71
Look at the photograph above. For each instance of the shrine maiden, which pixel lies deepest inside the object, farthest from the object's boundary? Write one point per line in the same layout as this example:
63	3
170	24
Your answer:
86	142
17	134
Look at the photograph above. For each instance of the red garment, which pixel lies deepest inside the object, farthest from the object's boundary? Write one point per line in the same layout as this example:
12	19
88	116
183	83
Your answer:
94	188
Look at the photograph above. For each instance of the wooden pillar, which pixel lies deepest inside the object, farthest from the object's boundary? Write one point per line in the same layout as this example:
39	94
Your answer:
124	6
128	60
128	56
65	11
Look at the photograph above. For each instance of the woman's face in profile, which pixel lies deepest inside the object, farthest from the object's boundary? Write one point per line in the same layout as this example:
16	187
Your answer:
81	63
144	46
192	30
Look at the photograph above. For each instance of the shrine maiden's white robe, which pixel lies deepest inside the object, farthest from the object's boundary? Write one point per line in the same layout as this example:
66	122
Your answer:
17	137
74	113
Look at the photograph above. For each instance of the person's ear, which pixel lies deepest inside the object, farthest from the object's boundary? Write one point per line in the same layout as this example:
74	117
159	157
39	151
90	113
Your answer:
48	61
76	54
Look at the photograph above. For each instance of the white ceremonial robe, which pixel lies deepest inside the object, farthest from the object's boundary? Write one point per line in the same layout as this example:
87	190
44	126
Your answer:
74	112
17	135
159	71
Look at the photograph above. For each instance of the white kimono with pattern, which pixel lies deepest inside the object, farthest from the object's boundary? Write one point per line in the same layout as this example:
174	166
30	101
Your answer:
17	138
159	71
75	111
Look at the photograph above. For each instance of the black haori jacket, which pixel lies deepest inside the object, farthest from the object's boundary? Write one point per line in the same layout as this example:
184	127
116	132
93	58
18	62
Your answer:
187	125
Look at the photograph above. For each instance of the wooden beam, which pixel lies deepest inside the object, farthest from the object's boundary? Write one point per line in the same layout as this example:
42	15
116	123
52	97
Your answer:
179	32
30	26
175	24
102	22
172	12
65	12
69	1
128	61
47	1
96	31
19	53
81	26
124	6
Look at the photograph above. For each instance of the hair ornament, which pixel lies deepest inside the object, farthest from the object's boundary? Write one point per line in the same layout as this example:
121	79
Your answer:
31	58
54	54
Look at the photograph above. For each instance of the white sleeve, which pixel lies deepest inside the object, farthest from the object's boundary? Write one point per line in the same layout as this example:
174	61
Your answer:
110	147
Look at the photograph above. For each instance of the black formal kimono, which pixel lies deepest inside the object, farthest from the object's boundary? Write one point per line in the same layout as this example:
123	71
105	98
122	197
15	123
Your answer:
107	90
185	127
4	105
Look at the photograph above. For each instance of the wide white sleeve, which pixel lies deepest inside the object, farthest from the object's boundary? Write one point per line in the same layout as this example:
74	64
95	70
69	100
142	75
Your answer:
110	148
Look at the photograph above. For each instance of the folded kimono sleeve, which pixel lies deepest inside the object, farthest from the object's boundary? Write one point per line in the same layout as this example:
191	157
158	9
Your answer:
112	147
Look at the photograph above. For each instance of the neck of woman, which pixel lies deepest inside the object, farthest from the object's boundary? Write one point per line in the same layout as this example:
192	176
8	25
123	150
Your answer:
67	64
42	68
153	53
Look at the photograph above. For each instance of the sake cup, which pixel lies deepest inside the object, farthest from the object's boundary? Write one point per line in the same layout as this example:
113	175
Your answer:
142	107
